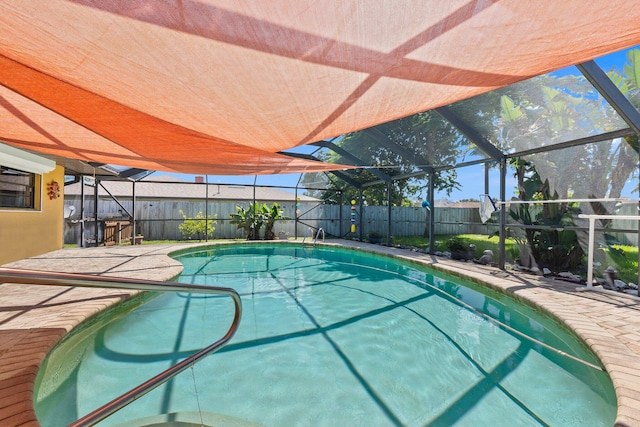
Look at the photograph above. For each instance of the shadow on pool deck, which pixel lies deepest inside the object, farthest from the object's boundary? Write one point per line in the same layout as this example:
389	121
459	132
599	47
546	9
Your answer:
33	318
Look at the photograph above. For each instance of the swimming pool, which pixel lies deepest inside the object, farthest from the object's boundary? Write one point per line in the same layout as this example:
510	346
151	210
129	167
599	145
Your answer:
329	336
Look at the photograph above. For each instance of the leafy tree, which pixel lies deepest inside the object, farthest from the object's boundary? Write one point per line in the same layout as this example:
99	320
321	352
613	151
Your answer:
548	110
521	123
249	219
425	136
197	227
626	154
252	218
554	247
315	183
561	109
274	213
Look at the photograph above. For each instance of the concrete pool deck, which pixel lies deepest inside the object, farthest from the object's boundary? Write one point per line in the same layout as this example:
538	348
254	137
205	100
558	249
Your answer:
33	318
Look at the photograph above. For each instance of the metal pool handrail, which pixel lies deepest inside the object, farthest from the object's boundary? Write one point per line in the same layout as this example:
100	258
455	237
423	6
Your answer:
11	275
317	234
315	238
307	234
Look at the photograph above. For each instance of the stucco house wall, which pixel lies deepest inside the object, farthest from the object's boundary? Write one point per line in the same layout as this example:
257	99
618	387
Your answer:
30	232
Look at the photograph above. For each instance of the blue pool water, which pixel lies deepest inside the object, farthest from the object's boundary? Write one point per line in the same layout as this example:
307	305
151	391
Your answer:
329	337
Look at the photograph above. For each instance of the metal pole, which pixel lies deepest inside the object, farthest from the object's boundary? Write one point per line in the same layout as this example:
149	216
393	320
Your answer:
295	223
340	215
255	233
432	226
503	213
486	178
133	214
206	208
296	208
592	226
82	212
95	210
389	189
361	214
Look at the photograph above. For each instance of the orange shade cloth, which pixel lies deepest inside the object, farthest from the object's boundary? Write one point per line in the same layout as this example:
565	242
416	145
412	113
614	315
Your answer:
219	87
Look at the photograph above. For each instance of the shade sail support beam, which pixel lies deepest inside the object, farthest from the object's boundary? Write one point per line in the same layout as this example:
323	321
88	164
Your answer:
352	158
609	91
114	198
401	151
607	136
473	135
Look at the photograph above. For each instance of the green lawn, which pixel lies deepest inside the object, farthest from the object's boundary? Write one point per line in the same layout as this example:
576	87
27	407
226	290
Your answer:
623	258
481	241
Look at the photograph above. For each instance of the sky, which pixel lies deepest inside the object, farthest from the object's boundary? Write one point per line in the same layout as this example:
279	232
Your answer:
472	177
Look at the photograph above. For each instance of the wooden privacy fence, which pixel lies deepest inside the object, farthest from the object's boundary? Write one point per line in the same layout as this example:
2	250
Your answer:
159	220
405	221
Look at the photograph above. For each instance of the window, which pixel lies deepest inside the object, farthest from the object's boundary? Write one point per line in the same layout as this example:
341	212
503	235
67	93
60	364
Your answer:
17	188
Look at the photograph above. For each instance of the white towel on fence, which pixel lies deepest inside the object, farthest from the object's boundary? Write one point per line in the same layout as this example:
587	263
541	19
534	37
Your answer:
487	207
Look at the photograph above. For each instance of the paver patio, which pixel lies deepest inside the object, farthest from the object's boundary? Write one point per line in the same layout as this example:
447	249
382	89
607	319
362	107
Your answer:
33	318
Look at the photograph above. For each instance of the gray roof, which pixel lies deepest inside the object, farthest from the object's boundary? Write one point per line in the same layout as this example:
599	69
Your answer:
172	188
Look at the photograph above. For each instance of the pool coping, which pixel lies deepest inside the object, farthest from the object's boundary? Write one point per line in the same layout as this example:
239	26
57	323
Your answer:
34	318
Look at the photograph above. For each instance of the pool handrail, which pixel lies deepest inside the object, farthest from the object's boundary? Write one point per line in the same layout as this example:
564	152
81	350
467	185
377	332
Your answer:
317	234
306	234
37	277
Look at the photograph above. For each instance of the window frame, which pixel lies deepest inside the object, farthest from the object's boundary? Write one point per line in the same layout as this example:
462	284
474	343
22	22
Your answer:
34	185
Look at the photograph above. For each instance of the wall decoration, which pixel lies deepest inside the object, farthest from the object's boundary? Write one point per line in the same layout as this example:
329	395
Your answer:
53	190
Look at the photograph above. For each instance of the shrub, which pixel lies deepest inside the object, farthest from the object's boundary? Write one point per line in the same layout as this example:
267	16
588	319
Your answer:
457	244
197	227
